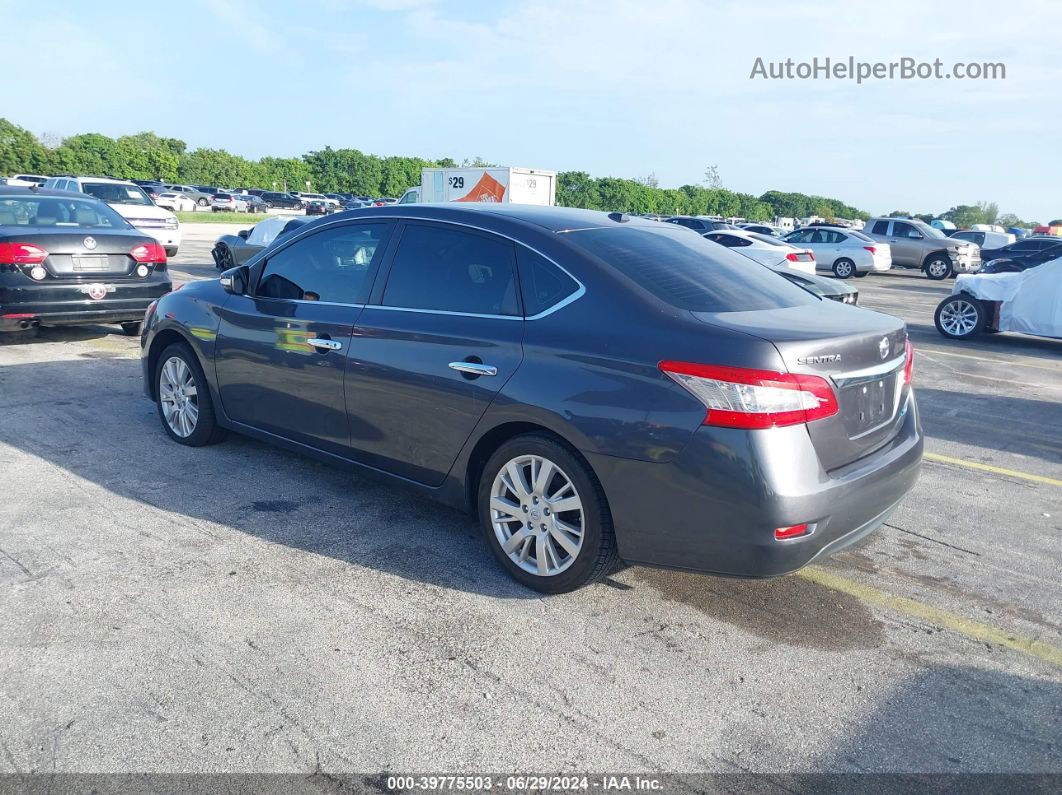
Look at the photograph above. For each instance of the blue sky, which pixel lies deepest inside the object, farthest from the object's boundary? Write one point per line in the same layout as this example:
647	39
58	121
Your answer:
614	87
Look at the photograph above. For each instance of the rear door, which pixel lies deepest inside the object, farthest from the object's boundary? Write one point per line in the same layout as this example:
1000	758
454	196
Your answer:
440	337
282	352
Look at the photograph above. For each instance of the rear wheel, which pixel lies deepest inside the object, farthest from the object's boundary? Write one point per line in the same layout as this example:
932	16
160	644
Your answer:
960	317
184	403
202	201
544	515
131	328
938	267
843	268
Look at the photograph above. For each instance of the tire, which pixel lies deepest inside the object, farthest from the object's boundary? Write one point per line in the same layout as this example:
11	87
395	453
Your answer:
131	328
937	267
843	268
861	274
960	317
202	201
577	559
171	251
204	427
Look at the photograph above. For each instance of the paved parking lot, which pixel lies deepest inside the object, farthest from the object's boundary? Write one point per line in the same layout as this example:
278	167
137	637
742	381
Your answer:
239	608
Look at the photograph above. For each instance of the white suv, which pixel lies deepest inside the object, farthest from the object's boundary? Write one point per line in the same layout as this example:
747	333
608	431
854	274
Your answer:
129	201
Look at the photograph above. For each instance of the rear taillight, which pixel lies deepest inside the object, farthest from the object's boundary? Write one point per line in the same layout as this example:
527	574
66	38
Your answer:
800	256
739	398
148	252
908	367
871	249
21	254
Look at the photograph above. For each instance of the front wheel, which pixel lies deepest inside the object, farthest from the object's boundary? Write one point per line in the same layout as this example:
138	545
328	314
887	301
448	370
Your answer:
545	516
960	317
843	268
938	267
184	403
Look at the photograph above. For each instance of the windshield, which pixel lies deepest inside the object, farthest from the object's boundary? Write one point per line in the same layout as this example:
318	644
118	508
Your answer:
929	231
49	211
116	193
688	271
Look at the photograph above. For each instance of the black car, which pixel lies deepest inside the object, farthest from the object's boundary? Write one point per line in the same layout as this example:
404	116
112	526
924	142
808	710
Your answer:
591	385
67	258
698	224
1021	254
284	201
318	208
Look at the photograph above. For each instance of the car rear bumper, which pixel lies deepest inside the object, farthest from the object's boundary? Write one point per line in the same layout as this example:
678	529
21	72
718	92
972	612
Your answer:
64	303
715	507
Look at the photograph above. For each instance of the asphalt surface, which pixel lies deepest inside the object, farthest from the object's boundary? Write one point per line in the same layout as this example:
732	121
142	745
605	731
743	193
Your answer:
240	608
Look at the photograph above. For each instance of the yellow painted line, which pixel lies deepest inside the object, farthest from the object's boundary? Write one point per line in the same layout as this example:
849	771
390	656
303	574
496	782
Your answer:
964	626
1011	473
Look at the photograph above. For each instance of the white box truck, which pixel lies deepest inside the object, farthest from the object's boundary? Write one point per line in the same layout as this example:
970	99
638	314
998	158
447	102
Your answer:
500	184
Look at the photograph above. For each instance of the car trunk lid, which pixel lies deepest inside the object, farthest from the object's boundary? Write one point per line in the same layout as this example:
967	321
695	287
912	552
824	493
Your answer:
77	253
860	352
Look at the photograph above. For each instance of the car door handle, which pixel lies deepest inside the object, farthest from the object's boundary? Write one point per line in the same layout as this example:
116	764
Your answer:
327	345
474	368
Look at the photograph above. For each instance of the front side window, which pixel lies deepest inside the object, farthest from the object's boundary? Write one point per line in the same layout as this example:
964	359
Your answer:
688	271
332	265
905	230
452	270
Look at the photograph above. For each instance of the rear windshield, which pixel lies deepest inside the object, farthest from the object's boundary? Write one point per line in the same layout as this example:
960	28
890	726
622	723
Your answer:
860	236
688	271
48	211
116	193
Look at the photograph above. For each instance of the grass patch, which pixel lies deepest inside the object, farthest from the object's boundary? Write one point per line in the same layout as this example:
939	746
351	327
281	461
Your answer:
244	219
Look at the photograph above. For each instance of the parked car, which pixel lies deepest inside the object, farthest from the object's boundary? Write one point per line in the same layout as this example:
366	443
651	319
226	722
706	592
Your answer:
208	189
1021	254
715	429
229	203
764	229
766	250
824	288
914	244
1028	301
177	202
131	202
983	240
699	224
316	207
154	190
201	198
26	180
843	252
318	197
284	201
232	250
67	258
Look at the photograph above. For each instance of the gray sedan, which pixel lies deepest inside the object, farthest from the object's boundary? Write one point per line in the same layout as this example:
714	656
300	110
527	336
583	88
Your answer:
232	250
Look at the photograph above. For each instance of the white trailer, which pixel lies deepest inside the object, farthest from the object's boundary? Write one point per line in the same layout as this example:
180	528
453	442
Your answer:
501	184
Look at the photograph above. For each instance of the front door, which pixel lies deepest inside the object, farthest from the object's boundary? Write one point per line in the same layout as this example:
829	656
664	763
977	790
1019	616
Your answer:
440	338
281	351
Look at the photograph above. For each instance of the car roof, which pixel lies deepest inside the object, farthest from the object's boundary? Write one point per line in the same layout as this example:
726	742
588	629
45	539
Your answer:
18	190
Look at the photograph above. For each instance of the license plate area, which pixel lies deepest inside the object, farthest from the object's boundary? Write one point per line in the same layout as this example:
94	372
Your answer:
91	263
868	404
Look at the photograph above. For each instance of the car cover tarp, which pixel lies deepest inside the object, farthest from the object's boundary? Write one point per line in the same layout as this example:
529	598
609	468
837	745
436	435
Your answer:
265	231
1032	299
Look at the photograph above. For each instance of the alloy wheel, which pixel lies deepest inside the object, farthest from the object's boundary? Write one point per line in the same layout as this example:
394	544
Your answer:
959	318
178	396
938	268
537	515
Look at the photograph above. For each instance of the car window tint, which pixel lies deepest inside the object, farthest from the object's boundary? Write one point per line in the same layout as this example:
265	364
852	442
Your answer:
688	271
881	228
542	283
905	230
331	265
454	271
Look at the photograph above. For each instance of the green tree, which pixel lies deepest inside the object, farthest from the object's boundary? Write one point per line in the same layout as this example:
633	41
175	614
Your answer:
964	215
989	211
20	151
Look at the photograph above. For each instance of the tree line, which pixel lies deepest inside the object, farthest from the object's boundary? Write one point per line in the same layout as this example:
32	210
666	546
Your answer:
146	155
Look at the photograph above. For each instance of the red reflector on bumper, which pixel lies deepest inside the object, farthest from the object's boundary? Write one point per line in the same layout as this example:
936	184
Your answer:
792	531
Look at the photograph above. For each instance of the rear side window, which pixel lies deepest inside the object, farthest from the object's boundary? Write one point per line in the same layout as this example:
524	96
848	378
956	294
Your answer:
542	283
452	270
331	266
880	228
688	271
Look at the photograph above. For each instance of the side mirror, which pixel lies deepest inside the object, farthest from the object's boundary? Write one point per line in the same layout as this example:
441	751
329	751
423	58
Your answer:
243	233
234	280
